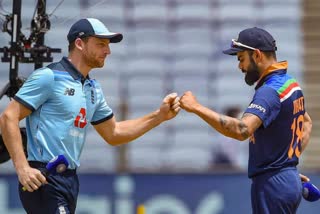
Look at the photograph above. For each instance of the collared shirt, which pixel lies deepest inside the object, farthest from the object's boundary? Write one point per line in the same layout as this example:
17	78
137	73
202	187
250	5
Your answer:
63	103
279	103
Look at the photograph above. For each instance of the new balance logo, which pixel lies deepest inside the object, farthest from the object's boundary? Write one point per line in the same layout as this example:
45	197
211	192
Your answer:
69	91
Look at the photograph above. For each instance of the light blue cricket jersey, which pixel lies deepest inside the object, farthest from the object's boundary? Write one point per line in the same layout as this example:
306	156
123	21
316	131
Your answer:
63	103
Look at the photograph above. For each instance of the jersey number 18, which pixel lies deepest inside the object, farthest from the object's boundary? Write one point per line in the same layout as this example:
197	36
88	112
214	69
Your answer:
297	132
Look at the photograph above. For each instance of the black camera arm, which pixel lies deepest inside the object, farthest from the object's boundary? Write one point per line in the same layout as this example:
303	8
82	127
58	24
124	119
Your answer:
22	49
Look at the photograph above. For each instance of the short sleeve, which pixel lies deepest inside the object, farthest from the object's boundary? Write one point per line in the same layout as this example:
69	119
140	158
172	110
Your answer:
37	88
265	104
102	112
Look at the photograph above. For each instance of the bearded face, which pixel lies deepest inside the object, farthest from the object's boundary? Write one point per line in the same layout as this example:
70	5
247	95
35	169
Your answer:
95	51
92	59
252	73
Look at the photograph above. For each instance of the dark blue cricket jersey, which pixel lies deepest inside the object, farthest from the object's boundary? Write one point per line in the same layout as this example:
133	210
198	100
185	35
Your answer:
279	103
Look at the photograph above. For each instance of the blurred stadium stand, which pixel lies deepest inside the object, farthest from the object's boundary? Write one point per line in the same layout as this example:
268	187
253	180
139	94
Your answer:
311	35
175	45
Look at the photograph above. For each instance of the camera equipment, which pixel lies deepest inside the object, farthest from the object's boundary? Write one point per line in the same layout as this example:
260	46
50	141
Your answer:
24	50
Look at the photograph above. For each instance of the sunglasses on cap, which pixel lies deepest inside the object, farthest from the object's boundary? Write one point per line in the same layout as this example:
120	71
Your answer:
235	44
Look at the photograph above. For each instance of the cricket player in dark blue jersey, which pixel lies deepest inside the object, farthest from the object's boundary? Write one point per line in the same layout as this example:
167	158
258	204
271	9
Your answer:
276	121
59	102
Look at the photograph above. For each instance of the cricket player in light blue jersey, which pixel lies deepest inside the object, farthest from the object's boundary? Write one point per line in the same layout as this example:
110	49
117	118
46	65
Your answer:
59	102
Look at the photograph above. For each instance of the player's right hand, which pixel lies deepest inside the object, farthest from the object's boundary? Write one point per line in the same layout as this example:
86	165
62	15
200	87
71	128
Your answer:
170	106
304	178
30	178
189	102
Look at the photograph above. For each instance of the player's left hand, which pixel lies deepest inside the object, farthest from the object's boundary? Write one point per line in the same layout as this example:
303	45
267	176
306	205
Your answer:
170	106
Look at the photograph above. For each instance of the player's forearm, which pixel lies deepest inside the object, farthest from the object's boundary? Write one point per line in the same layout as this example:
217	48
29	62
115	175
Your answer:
12	138
228	126
126	131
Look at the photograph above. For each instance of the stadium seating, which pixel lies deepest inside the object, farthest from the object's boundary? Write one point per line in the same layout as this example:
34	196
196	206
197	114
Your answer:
92	160
188	159
146	41
192	12
145	159
186	122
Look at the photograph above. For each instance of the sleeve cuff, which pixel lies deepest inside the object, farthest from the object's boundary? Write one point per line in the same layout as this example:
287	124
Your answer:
24	103
102	120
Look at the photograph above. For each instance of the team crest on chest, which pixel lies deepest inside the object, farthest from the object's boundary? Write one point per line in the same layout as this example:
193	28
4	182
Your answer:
81	120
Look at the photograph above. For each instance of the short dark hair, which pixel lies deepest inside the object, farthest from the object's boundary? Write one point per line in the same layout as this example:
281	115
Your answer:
72	45
268	54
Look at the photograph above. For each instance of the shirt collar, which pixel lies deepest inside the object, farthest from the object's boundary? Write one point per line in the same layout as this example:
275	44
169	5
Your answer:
270	70
71	69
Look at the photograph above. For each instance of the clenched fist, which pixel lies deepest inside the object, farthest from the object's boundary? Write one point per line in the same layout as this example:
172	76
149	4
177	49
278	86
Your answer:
170	106
189	102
